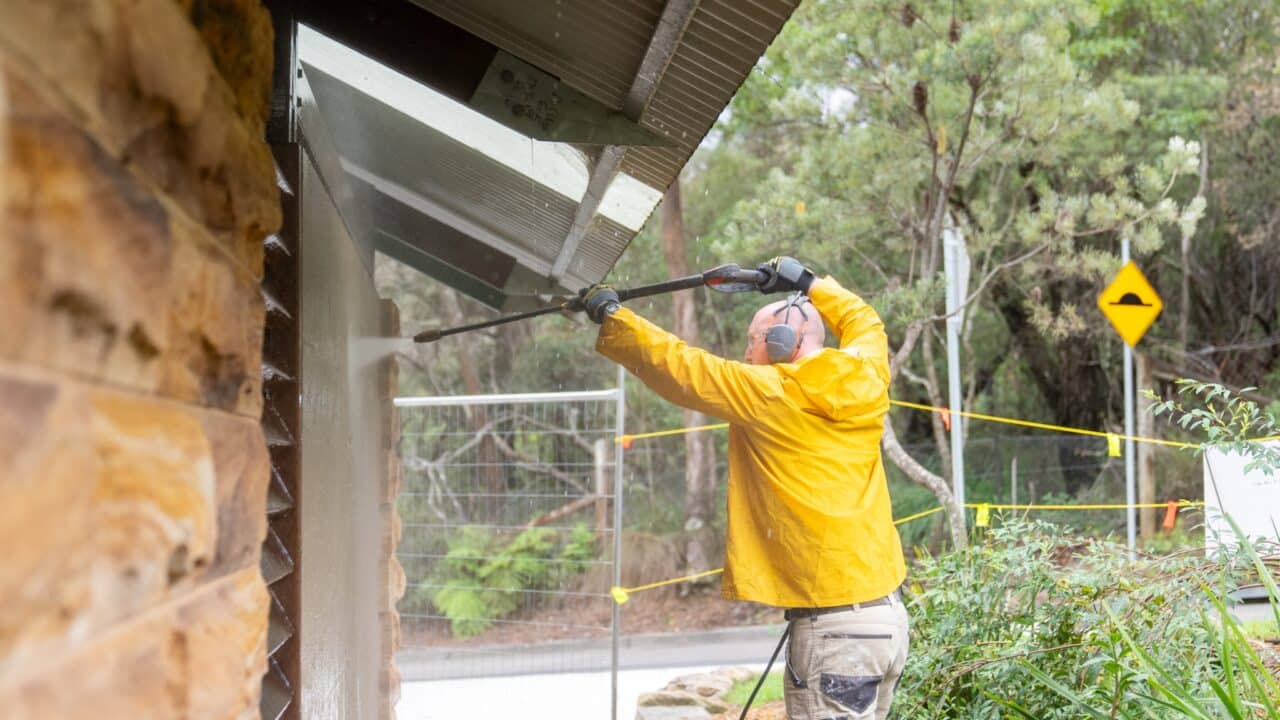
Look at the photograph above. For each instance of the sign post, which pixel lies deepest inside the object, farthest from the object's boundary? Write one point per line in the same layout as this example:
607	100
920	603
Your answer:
1131	304
956	266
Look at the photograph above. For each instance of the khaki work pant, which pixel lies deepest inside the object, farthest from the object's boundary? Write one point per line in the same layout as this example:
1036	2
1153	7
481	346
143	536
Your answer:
845	665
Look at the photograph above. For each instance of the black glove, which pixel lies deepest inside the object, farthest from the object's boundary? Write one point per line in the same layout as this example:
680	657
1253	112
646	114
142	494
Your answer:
599	301
785	274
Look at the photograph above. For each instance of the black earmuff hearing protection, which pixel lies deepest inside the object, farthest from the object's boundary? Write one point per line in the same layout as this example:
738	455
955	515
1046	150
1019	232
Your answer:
781	341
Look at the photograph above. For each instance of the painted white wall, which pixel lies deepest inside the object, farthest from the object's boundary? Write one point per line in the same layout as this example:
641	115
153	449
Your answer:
339	489
1252	499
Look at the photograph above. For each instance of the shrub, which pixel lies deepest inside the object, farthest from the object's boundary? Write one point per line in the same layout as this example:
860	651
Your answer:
482	579
1034	624
1030	612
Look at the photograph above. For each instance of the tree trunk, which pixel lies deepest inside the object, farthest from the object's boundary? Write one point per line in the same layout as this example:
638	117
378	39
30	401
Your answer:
899	456
1146	459
921	475
699	447
941	438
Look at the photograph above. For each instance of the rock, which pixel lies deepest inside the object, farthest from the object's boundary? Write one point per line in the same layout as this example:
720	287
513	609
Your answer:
667	697
703	684
222	633
688	712
716	705
142	82
119	503
103	278
201	658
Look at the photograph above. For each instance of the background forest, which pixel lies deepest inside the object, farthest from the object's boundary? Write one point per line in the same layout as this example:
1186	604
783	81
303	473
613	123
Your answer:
1044	132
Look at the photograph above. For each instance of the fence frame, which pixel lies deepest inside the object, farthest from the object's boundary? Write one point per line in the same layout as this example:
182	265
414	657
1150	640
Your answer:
619	396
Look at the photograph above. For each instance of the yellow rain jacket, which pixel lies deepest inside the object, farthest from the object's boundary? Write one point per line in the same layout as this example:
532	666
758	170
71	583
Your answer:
809	520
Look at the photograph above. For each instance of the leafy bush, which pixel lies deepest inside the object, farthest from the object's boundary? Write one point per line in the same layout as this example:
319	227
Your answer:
1030	612
481	579
1033	623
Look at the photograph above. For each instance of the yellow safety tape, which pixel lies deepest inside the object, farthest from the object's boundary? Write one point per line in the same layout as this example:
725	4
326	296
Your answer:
1111	506
1113	439
1040	425
621	595
665	433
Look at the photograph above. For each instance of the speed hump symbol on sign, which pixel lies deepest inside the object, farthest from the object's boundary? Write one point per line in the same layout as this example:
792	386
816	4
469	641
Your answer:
1130	303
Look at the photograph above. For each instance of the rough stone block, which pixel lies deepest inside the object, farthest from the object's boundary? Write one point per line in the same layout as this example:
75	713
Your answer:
662	712
667	697
153	498
85	252
215	329
395	586
112	503
47	466
223	632
138	78
239	37
102	279
395	476
201	657
134	672
243	469
391	682
393	528
704	684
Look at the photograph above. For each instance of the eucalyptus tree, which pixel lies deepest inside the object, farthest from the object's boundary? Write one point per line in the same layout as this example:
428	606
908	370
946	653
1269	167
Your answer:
885	124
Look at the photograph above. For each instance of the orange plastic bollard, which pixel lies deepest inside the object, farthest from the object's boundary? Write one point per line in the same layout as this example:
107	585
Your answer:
1170	515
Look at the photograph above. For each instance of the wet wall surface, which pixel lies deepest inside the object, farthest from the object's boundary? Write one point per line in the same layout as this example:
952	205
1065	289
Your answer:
340	547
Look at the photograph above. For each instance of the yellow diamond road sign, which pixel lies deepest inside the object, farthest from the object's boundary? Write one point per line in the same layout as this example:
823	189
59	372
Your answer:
1130	303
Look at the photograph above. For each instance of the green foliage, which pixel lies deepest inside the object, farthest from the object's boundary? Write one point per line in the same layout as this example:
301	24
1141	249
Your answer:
482	577
1035	622
1039	625
770	691
1261	629
1225	420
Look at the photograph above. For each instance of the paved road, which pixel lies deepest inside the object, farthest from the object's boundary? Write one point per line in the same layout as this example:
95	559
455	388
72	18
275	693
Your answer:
1247	612
731	646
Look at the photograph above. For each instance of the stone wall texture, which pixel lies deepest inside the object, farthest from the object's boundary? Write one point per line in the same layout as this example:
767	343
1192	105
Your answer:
135	193
393	577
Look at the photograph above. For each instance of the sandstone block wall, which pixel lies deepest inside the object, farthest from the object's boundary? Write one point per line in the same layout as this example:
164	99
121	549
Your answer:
392	576
135	193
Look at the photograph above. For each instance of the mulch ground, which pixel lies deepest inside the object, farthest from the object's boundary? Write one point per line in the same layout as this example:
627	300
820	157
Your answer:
1269	651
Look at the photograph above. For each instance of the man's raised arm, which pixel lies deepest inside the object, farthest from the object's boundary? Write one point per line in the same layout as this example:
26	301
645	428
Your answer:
687	376
855	322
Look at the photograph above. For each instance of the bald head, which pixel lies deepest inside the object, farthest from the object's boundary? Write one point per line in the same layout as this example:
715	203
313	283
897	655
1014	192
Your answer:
802	318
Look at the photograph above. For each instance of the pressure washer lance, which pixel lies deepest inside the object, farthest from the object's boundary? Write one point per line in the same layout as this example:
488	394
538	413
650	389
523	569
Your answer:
725	278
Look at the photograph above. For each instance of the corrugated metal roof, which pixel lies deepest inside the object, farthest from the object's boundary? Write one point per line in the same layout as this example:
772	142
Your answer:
596	47
593	45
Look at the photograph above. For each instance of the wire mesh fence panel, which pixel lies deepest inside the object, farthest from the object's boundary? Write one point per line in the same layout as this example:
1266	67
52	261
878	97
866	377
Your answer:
507	540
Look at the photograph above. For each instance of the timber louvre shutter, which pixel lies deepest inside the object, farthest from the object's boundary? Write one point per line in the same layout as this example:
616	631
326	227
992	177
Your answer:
281	387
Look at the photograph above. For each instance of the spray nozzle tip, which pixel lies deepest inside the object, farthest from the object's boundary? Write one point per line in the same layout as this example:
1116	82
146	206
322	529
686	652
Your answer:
428	335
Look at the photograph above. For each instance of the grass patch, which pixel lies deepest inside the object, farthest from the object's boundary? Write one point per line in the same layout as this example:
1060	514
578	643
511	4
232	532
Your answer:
1259	629
770	691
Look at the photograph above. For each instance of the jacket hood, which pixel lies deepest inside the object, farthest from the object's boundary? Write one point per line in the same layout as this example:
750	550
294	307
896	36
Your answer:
835	383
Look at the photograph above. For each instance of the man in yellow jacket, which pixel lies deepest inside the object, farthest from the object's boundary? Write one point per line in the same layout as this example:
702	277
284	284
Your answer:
810	527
